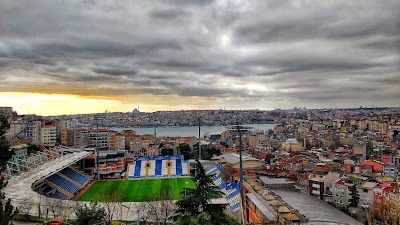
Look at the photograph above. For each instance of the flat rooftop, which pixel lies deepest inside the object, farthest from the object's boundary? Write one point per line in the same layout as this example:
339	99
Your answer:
315	210
234	158
266	180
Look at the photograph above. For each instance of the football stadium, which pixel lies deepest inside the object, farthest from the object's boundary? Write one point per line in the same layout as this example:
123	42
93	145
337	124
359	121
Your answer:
59	178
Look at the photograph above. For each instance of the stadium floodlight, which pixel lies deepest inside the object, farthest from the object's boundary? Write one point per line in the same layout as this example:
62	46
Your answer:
199	139
97	148
241	169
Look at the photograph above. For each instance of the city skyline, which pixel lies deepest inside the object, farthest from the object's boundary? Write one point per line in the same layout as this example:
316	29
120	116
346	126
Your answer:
71	57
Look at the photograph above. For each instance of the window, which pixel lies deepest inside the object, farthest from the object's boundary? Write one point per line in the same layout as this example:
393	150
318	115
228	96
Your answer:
366	190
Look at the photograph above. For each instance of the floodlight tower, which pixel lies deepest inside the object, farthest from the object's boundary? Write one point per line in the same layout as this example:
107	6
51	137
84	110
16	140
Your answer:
241	169
97	148
199	139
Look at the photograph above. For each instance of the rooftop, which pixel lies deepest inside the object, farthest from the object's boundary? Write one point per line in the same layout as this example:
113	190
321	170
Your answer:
317	211
234	158
267	180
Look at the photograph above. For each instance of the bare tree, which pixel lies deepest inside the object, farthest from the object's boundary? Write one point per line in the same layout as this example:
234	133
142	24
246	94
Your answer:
143	211
50	206
112	203
161	208
25	206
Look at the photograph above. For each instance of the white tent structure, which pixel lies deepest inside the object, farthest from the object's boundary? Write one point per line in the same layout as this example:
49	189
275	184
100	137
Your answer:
19	188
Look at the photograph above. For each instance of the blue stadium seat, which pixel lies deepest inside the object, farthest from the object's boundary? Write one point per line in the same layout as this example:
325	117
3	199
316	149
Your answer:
231	190
158	167
179	167
66	185
76	176
57	194
138	166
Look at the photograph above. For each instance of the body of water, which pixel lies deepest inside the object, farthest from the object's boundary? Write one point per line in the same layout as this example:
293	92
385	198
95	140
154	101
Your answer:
190	131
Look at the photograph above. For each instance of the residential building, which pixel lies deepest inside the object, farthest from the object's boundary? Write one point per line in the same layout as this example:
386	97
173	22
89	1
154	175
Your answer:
36	128
48	136
112	140
120	142
101	139
320	182
390	171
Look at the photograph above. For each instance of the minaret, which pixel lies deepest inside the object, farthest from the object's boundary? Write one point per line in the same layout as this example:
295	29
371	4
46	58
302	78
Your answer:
155	132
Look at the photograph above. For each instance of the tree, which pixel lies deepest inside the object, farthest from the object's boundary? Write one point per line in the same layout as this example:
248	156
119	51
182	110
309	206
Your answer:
6	209
198	200
184	149
187	219
25	207
161	207
91	215
355	197
112	202
213	151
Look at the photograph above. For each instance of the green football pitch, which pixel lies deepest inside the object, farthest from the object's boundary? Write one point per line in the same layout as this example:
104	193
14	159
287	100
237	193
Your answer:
138	190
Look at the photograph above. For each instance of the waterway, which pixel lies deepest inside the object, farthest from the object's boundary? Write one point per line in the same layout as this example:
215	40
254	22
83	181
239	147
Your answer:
190	131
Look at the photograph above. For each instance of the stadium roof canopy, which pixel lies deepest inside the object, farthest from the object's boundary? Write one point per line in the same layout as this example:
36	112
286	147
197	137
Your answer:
19	188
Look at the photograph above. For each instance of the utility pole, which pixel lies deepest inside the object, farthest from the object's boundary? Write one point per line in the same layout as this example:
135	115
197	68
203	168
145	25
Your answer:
199	139
97	148
241	170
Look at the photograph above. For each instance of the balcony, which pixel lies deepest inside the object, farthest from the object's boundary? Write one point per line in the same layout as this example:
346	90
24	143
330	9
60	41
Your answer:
315	192
316	186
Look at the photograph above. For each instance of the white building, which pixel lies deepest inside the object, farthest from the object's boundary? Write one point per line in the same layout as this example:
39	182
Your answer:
48	136
36	128
321	182
102	138
366	192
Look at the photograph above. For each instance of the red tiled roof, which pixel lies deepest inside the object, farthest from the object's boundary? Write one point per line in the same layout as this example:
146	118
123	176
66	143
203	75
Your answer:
341	182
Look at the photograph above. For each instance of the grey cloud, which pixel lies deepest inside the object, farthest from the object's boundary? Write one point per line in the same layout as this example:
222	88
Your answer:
169	14
114	71
174	48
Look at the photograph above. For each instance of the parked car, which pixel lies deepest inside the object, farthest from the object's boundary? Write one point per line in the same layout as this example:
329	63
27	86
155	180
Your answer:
56	221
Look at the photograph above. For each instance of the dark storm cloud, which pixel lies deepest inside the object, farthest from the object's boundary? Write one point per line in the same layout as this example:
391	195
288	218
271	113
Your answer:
114	71
245	51
169	14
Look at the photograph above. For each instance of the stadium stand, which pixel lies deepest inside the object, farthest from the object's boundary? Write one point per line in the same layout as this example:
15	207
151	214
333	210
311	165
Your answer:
138	167
143	169
159	166
186	167
56	194
151	169
75	176
63	183
164	168
178	167
231	190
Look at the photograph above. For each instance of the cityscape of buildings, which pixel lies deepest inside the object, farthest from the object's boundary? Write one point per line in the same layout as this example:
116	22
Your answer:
347	158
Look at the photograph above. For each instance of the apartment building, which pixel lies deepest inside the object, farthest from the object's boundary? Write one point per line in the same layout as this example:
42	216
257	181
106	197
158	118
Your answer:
366	192
6	110
390	171
101	139
320	182
120	142
112	140
48	136
60	125
36	128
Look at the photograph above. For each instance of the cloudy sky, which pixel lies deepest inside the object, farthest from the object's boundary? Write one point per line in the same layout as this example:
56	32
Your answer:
60	56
